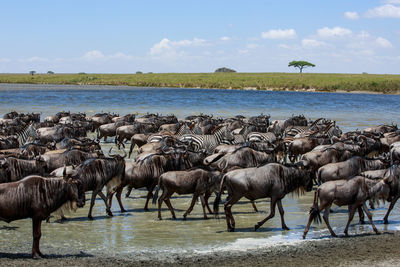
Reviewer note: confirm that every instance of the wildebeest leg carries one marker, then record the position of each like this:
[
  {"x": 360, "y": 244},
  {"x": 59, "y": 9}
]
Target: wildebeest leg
[
  {"x": 108, "y": 210},
  {"x": 128, "y": 192},
  {"x": 353, "y": 209},
  {"x": 165, "y": 197},
  {"x": 361, "y": 215},
  {"x": 385, "y": 219},
  {"x": 37, "y": 233},
  {"x": 230, "y": 221},
  {"x": 271, "y": 214},
  {"x": 149, "y": 196},
  {"x": 282, "y": 212},
  {"x": 169, "y": 205},
  {"x": 254, "y": 205},
  {"x": 326, "y": 218},
  {"x": 92, "y": 200},
  {"x": 369, "y": 215},
  {"x": 206, "y": 197},
  {"x": 203, "y": 204},
  {"x": 189, "y": 210},
  {"x": 118, "y": 196}
]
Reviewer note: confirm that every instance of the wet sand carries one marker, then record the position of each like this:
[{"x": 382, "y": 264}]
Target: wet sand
[{"x": 356, "y": 250}]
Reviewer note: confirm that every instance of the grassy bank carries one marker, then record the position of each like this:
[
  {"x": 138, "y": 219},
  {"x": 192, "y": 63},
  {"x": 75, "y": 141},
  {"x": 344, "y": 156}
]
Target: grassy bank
[{"x": 259, "y": 81}]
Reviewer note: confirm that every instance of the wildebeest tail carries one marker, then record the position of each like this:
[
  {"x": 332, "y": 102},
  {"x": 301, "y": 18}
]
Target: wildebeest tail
[
  {"x": 314, "y": 211},
  {"x": 155, "y": 196},
  {"x": 130, "y": 149},
  {"x": 218, "y": 198}
]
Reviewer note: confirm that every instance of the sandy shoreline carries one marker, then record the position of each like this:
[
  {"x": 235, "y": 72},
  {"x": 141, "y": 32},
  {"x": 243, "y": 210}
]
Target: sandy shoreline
[{"x": 356, "y": 250}]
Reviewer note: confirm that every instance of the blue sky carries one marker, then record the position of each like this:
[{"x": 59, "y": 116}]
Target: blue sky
[{"x": 342, "y": 36}]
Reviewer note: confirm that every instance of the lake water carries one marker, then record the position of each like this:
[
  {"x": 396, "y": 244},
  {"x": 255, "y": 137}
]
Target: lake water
[
  {"x": 351, "y": 111},
  {"x": 141, "y": 232}
]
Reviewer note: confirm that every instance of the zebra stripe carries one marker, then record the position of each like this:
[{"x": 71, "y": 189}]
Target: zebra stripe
[
  {"x": 28, "y": 132},
  {"x": 261, "y": 137},
  {"x": 208, "y": 141},
  {"x": 184, "y": 129}
]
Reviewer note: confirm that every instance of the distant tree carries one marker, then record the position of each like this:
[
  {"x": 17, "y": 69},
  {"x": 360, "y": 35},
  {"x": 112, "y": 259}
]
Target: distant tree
[
  {"x": 82, "y": 73},
  {"x": 150, "y": 72},
  {"x": 32, "y": 72},
  {"x": 139, "y": 72},
  {"x": 224, "y": 70},
  {"x": 50, "y": 72},
  {"x": 300, "y": 65}
]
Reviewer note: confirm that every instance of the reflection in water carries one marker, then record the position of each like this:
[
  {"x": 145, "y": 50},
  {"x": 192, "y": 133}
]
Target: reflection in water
[{"x": 136, "y": 230}]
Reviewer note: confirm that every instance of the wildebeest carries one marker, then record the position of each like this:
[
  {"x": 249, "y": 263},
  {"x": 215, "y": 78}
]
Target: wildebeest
[
  {"x": 97, "y": 173},
  {"x": 198, "y": 182},
  {"x": 37, "y": 197},
  {"x": 392, "y": 178},
  {"x": 348, "y": 168},
  {"x": 145, "y": 173},
  {"x": 69, "y": 157},
  {"x": 271, "y": 180},
  {"x": 243, "y": 157},
  {"x": 20, "y": 168},
  {"x": 354, "y": 192}
]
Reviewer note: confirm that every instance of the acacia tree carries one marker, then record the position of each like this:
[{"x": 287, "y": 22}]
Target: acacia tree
[{"x": 300, "y": 65}]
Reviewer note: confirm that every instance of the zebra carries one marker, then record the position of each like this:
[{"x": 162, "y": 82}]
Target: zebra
[
  {"x": 207, "y": 141},
  {"x": 29, "y": 132},
  {"x": 157, "y": 137},
  {"x": 261, "y": 137}
]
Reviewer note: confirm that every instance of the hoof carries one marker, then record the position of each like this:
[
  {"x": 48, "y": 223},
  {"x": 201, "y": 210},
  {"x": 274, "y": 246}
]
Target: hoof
[
  {"x": 304, "y": 236},
  {"x": 90, "y": 217},
  {"x": 256, "y": 227},
  {"x": 110, "y": 214},
  {"x": 286, "y": 228},
  {"x": 184, "y": 217},
  {"x": 377, "y": 232},
  {"x": 231, "y": 230},
  {"x": 385, "y": 221},
  {"x": 123, "y": 210},
  {"x": 362, "y": 222}
]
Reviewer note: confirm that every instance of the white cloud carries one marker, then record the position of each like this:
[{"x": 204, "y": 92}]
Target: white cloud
[
  {"x": 252, "y": 46},
  {"x": 333, "y": 32},
  {"x": 225, "y": 38},
  {"x": 363, "y": 35},
  {"x": 385, "y": 11},
  {"x": 312, "y": 43},
  {"x": 4, "y": 60},
  {"x": 169, "y": 47},
  {"x": 93, "y": 55},
  {"x": 351, "y": 15},
  {"x": 384, "y": 43},
  {"x": 98, "y": 55},
  {"x": 395, "y": 2},
  {"x": 279, "y": 34}
]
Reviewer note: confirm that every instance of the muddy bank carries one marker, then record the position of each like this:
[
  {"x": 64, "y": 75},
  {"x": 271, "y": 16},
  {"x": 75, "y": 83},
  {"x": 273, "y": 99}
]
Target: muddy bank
[{"x": 366, "y": 249}]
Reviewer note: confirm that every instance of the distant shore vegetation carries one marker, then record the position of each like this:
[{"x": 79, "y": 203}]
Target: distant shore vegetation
[{"x": 389, "y": 84}]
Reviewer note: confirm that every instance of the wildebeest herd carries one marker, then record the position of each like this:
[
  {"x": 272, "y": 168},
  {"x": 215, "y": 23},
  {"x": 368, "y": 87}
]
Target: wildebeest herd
[{"x": 47, "y": 166}]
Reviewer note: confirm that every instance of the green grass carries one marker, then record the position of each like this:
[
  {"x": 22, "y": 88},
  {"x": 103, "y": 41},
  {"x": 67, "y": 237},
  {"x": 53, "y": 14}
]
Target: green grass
[{"x": 259, "y": 81}]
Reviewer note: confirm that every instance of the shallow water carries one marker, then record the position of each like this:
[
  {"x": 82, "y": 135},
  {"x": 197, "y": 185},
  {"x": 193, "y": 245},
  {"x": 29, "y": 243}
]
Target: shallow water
[{"x": 138, "y": 231}]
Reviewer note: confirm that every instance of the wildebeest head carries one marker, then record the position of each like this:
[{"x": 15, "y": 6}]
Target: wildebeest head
[
  {"x": 307, "y": 175},
  {"x": 77, "y": 191}
]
